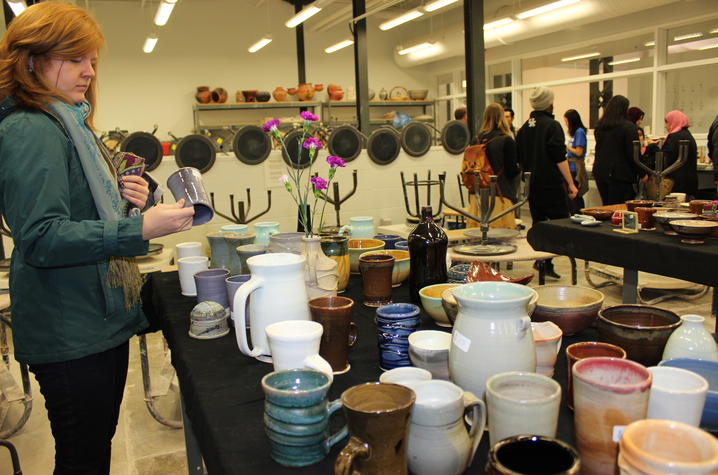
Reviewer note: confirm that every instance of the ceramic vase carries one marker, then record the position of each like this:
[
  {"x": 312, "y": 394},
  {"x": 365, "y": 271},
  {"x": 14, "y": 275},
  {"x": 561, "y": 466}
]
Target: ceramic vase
[
  {"x": 279, "y": 94},
  {"x": 337, "y": 248},
  {"x": 219, "y": 250},
  {"x": 320, "y": 273},
  {"x": 691, "y": 340},
  {"x": 427, "y": 252},
  {"x": 203, "y": 95},
  {"x": 233, "y": 241}
]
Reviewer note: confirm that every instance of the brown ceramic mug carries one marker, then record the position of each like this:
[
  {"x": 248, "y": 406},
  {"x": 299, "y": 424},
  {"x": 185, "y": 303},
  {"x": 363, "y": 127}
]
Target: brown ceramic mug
[
  {"x": 378, "y": 417},
  {"x": 645, "y": 217},
  {"x": 587, "y": 349},
  {"x": 376, "y": 271},
  {"x": 698, "y": 206},
  {"x": 340, "y": 333}
]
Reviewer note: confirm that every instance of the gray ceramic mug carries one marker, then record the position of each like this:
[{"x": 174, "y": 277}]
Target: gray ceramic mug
[{"x": 187, "y": 183}]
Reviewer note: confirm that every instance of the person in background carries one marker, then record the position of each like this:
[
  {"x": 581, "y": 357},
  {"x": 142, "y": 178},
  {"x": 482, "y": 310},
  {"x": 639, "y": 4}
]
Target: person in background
[
  {"x": 460, "y": 115},
  {"x": 541, "y": 150},
  {"x": 74, "y": 284},
  {"x": 713, "y": 147},
  {"x": 576, "y": 154},
  {"x": 636, "y": 115},
  {"x": 509, "y": 116},
  {"x": 685, "y": 179},
  {"x": 615, "y": 172}
]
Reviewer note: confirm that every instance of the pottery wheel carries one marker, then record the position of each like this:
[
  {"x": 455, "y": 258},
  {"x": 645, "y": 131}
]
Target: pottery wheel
[
  {"x": 496, "y": 234},
  {"x": 485, "y": 249}
]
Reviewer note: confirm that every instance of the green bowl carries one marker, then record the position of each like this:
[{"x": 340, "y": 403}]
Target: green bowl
[
  {"x": 431, "y": 301},
  {"x": 358, "y": 247}
]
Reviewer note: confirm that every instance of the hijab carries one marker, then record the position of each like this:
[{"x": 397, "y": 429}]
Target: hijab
[{"x": 676, "y": 121}]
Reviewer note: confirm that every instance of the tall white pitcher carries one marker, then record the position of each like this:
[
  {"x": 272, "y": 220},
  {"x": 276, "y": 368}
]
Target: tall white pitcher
[{"x": 278, "y": 293}]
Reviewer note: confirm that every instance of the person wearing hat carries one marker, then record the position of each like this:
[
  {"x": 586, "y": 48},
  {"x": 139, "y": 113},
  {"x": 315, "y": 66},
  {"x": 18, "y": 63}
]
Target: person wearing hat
[{"x": 541, "y": 148}]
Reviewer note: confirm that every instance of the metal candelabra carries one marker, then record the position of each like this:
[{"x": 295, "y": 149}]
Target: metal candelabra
[
  {"x": 416, "y": 183},
  {"x": 659, "y": 173},
  {"x": 239, "y": 215},
  {"x": 337, "y": 201}
]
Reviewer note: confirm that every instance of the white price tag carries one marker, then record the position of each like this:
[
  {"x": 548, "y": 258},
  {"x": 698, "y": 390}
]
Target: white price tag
[
  {"x": 618, "y": 433},
  {"x": 462, "y": 342}
]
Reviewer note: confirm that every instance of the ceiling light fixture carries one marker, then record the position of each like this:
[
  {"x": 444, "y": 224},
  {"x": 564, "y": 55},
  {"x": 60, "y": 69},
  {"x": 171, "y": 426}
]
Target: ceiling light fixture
[
  {"x": 581, "y": 56},
  {"x": 164, "y": 10},
  {"x": 713, "y": 31},
  {"x": 388, "y": 25},
  {"x": 549, "y": 7},
  {"x": 17, "y": 6},
  {"x": 415, "y": 48},
  {"x": 260, "y": 44},
  {"x": 150, "y": 44},
  {"x": 302, "y": 16},
  {"x": 338, "y": 46},
  {"x": 624, "y": 61},
  {"x": 708, "y": 47},
  {"x": 498, "y": 23},
  {"x": 688, "y": 36},
  {"x": 649, "y": 43},
  {"x": 438, "y": 4}
]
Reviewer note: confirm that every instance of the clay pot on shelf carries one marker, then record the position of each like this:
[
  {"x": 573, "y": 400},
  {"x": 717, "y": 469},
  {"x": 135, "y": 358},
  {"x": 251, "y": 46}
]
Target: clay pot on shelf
[
  {"x": 383, "y": 94},
  {"x": 305, "y": 92},
  {"x": 203, "y": 95},
  {"x": 336, "y": 94},
  {"x": 239, "y": 97},
  {"x": 292, "y": 91},
  {"x": 280, "y": 94},
  {"x": 319, "y": 87},
  {"x": 250, "y": 96},
  {"x": 263, "y": 96},
  {"x": 219, "y": 95}
]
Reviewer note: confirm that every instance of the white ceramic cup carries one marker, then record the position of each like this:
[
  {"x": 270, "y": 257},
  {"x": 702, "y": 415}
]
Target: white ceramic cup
[
  {"x": 187, "y": 268},
  {"x": 522, "y": 403},
  {"x": 677, "y": 394},
  {"x": 547, "y": 339},
  {"x": 188, "y": 249},
  {"x": 429, "y": 349},
  {"x": 406, "y": 376},
  {"x": 295, "y": 344}
]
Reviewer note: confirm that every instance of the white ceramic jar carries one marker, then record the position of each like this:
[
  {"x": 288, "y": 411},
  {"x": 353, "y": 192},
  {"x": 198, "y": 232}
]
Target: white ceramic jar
[{"x": 691, "y": 340}]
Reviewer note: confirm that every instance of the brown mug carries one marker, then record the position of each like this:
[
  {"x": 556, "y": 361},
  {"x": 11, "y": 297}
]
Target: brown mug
[
  {"x": 698, "y": 206},
  {"x": 340, "y": 333},
  {"x": 376, "y": 271},
  {"x": 587, "y": 349},
  {"x": 378, "y": 418},
  {"x": 645, "y": 217}
]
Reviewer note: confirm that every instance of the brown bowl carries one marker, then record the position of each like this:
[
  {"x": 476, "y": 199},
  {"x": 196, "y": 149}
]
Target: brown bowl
[
  {"x": 631, "y": 205},
  {"x": 639, "y": 329},
  {"x": 600, "y": 214},
  {"x": 572, "y": 308},
  {"x": 250, "y": 95}
]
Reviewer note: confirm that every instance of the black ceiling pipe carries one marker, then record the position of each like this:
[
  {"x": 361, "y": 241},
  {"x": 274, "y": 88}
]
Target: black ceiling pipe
[
  {"x": 361, "y": 70},
  {"x": 475, "y": 66}
]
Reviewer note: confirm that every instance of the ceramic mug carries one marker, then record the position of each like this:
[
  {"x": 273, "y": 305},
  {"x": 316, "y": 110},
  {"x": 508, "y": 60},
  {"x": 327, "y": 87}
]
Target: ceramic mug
[
  {"x": 286, "y": 242},
  {"x": 234, "y": 241},
  {"x": 405, "y": 375},
  {"x": 378, "y": 418},
  {"x": 246, "y": 251},
  {"x": 235, "y": 228},
  {"x": 361, "y": 227},
  {"x": 188, "y": 249},
  {"x": 340, "y": 333},
  {"x": 187, "y": 266},
  {"x": 532, "y": 454},
  {"x": 187, "y": 183},
  {"x": 522, "y": 403},
  {"x": 211, "y": 286},
  {"x": 376, "y": 271},
  {"x": 429, "y": 349},
  {"x": 587, "y": 349},
  {"x": 233, "y": 283},
  {"x": 263, "y": 230},
  {"x": 677, "y": 394},
  {"x": 547, "y": 338},
  {"x": 295, "y": 344},
  {"x": 394, "y": 323}
]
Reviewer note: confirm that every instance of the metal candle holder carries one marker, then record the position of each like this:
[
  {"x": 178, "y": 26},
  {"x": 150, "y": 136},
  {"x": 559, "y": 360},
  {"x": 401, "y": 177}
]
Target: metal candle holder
[
  {"x": 416, "y": 183},
  {"x": 240, "y": 216},
  {"x": 337, "y": 201},
  {"x": 659, "y": 172}
]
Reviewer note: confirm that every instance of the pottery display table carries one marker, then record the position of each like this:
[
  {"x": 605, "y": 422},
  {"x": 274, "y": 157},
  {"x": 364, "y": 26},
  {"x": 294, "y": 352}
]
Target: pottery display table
[
  {"x": 222, "y": 398},
  {"x": 154, "y": 263}
]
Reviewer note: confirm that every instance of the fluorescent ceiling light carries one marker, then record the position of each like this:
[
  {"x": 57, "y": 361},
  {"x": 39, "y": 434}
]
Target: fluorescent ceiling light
[
  {"x": 713, "y": 31},
  {"x": 624, "y": 61},
  {"x": 17, "y": 6},
  {"x": 388, "y": 25},
  {"x": 463, "y": 83},
  {"x": 649, "y": 43},
  {"x": 164, "y": 10},
  {"x": 260, "y": 44},
  {"x": 708, "y": 47},
  {"x": 338, "y": 46},
  {"x": 415, "y": 48},
  {"x": 438, "y": 4},
  {"x": 688, "y": 36},
  {"x": 549, "y": 7},
  {"x": 302, "y": 16},
  {"x": 581, "y": 56},
  {"x": 498, "y": 23},
  {"x": 150, "y": 44}
]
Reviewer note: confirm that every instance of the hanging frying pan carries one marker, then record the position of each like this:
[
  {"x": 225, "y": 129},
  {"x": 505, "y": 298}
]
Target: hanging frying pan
[
  {"x": 196, "y": 151},
  {"x": 145, "y": 145},
  {"x": 291, "y": 140},
  {"x": 345, "y": 142},
  {"x": 251, "y": 145},
  {"x": 383, "y": 145},
  {"x": 416, "y": 138},
  {"x": 455, "y": 137}
]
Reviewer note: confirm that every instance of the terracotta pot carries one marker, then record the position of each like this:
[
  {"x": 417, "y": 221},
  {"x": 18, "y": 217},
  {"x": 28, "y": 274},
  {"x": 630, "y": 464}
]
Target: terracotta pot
[
  {"x": 292, "y": 91},
  {"x": 333, "y": 87},
  {"x": 319, "y": 87},
  {"x": 239, "y": 97},
  {"x": 305, "y": 92},
  {"x": 203, "y": 95},
  {"x": 336, "y": 95},
  {"x": 279, "y": 94},
  {"x": 219, "y": 95}
]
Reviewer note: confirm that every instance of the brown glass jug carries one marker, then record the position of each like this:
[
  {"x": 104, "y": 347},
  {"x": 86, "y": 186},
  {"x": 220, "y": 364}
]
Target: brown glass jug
[{"x": 427, "y": 251}]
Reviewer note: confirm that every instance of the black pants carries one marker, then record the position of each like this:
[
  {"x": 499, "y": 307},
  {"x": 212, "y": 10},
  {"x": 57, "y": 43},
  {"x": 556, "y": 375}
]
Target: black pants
[
  {"x": 615, "y": 192},
  {"x": 83, "y": 398}
]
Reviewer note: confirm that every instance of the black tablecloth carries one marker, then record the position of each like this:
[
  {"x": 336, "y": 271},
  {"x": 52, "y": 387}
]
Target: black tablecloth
[
  {"x": 223, "y": 395},
  {"x": 648, "y": 251}
]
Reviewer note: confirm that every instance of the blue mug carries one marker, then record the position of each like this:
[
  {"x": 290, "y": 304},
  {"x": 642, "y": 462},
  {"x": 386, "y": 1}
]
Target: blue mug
[
  {"x": 403, "y": 245},
  {"x": 394, "y": 323}
]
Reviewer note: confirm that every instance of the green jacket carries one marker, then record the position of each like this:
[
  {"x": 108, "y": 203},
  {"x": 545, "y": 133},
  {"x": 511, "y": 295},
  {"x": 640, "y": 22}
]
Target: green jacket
[{"x": 61, "y": 307}]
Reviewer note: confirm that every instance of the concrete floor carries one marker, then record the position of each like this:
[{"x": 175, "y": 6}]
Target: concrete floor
[{"x": 142, "y": 446}]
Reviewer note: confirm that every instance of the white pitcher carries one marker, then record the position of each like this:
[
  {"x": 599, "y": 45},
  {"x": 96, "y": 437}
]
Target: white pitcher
[
  {"x": 492, "y": 334},
  {"x": 438, "y": 440},
  {"x": 278, "y": 293}
]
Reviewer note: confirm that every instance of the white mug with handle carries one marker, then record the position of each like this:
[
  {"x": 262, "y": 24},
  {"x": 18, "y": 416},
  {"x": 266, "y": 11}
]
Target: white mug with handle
[{"x": 295, "y": 344}]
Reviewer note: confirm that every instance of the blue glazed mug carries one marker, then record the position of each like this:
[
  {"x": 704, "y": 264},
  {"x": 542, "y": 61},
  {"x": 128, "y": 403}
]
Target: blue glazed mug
[
  {"x": 394, "y": 323},
  {"x": 361, "y": 227},
  {"x": 296, "y": 416},
  {"x": 390, "y": 240}
]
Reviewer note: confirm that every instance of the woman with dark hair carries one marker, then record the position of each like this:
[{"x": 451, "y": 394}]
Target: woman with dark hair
[
  {"x": 636, "y": 115},
  {"x": 685, "y": 179},
  {"x": 576, "y": 154},
  {"x": 615, "y": 171}
]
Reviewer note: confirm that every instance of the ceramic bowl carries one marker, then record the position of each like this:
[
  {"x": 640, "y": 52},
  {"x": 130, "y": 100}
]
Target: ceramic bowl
[
  {"x": 357, "y": 247},
  {"x": 429, "y": 349},
  {"x": 693, "y": 231},
  {"x": 418, "y": 94},
  {"x": 431, "y": 301},
  {"x": 663, "y": 218},
  {"x": 571, "y": 307},
  {"x": 600, "y": 214},
  {"x": 631, "y": 205},
  {"x": 401, "y": 264},
  {"x": 451, "y": 306},
  {"x": 709, "y": 370},
  {"x": 482, "y": 272},
  {"x": 457, "y": 274},
  {"x": 405, "y": 375},
  {"x": 639, "y": 329},
  {"x": 403, "y": 245}
]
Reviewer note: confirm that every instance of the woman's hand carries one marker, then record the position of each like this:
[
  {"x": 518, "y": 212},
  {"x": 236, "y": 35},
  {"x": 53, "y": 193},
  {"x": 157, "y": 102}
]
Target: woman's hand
[
  {"x": 164, "y": 219},
  {"x": 572, "y": 190},
  {"x": 135, "y": 190}
]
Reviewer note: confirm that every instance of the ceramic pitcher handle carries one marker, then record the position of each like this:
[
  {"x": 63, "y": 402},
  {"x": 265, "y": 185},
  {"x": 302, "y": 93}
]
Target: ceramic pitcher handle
[
  {"x": 238, "y": 315},
  {"x": 355, "y": 448},
  {"x": 353, "y": 334},
  {"x": 344, "y": 229},
  {"x": 524, "y": 326},
  {"x": 478, "y": 422},
  {"x": 334, "y": 406},
  {"x": 318, "y": 363}
]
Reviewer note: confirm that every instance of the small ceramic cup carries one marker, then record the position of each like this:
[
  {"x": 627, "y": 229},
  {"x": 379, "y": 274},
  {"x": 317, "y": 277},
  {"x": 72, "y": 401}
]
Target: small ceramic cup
[
  {"x": 429, "y": 349},
  {"x": 187, "y": 267},
  {"x": 263, "y": 230},
  {"x": 188, "y": 249},
  {"x": 406, "y": 376},
  {"x": 361, "y": 227},
  {"x": 547, "y": 338},
  {"x": 186, "y": 183},
  {"x": 295, "y": 344},
  {"x": 340, "y": 333},
  {"x": 677, "y": 394},
  {"x": 245, "y": 252},
  {"x": 532, "y": 454},
  {"x": 376, "y": 271},
  {"x": 394, "y": 323},
  {"x": 233, "y": 283},
  {"x": 235, "y": 228},
  {"x": 587, "y": 349},
  {"x": 211, "y": 286}
]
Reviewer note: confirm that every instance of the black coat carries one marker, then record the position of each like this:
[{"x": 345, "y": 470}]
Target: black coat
[
  {"x": 686, "y": 177},
  {"x": 541, "y": 144},
  {"x": 501, "y": 152},
  {"x": 614, "y": 153}
]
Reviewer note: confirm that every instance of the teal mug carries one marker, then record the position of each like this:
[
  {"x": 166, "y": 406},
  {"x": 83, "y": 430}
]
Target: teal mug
[
  {"x": 264, "y": 230},
  {"x": 361, "y": 227}
]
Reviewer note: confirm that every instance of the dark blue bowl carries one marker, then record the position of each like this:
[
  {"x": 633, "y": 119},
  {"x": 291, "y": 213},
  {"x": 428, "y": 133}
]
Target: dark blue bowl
[
  {"x": 709, "y": 370},
  {"x": 403, "y": 245}
]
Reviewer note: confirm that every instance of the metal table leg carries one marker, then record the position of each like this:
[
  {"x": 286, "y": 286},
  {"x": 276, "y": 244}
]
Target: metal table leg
[
  {"x": 714, "y": 308},
  {"x": 630, "y": 285},
  {"x": 195, "y": 464}
]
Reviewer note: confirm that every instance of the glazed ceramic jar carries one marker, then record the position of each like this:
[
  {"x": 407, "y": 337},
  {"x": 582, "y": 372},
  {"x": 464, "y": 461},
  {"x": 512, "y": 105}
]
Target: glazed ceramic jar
[
  {"x": 320, "y": 273},
  {"x": 691, "y": 340}
]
